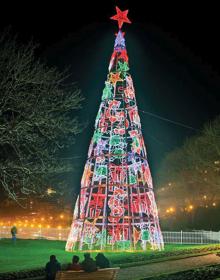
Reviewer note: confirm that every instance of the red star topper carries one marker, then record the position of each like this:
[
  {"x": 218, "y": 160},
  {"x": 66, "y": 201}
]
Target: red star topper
[{"x": 121, "y": 17}]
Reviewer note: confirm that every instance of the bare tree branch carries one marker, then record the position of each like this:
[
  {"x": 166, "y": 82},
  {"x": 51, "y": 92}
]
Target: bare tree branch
[{"x": 37, "y": 119}]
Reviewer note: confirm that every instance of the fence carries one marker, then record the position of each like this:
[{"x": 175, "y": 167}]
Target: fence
[
  {"x": 191, "y": 237},
  {"x": 170, "y": 237}
]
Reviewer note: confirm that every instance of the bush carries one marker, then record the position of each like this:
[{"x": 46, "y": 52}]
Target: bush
[{"x": 22, "y": 274}]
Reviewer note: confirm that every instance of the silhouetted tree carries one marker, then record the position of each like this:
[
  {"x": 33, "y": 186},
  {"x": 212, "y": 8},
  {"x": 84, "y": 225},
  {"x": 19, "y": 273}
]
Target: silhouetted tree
[
  {"x": 37, "y": 119},
  {"x": 191, "y": 173}
]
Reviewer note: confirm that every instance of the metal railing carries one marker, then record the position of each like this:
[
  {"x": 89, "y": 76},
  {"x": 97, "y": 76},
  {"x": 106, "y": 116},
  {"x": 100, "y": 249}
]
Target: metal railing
[
  {"x": 170, "y": 237},
  {"x": 191, "y": 237}
]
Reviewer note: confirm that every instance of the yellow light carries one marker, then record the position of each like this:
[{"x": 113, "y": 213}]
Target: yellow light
[
  {"x": 61, "y": 216},
  {"x": 204, "y": 196},
  {"x": 51, "y": 218},
  {"x": 50, "y": 191},
  {"x": 42, "y": 219},
  {"x": 26, "y": 221},
  {"x": 25, "y": 225},
  {"x": 213, "y": 204},
  {"x": 32, "y": 225},
  {"x": 59, "y": 227},
  {"x": 48, "y": 226},
  {"x": 39, "y": 225},
  {"x": 170, "y": 210},
  {"x": 190, "y": 207}
]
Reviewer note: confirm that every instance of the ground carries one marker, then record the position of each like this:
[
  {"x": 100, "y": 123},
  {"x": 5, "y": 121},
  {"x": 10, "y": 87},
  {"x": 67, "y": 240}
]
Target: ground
[
  {"x": 154, "y": 269},
  {"x": 28, "y": 254}
]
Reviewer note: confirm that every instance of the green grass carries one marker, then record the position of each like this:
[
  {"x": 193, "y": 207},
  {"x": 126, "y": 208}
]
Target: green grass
[{"x": 28, "y": 254}]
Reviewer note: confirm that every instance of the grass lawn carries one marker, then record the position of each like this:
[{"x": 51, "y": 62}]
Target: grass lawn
[{"x": 28, "y": 254}]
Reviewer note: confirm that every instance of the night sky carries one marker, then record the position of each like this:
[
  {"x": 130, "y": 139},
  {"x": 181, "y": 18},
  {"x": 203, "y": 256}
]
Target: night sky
[{"x": 173, "y": 53}]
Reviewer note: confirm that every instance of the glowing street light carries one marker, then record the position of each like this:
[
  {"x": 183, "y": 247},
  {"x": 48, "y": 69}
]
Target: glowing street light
[
  {"x": 191, "y": 207},
  {"x": 170, "y": 210}
]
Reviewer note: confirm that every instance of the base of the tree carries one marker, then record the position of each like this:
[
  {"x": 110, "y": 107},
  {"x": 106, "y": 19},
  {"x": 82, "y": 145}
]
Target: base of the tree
[{"x": 117, "y": 247}]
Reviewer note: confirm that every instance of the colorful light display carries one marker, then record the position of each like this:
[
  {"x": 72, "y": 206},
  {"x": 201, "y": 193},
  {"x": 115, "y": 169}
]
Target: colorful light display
[{"x": 116, "y": 208}]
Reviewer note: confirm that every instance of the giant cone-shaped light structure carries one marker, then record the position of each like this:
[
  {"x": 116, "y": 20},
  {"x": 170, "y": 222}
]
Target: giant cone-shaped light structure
[{"x": 116, "y": 208}]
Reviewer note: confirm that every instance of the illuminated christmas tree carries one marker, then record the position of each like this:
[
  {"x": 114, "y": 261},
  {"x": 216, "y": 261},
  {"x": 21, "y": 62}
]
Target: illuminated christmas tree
[{"x": 116, "y": 208}]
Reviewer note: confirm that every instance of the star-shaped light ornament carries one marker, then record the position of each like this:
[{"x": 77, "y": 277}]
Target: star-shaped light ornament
[
  {"x": 121, "y": 17},
  {"x": 123, "y": 66},
  {"x": 115, "y": 77},
  {"x": 119, "y": 41}
]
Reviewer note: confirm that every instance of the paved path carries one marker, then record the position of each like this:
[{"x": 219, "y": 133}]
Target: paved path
[{"x": 153, "y": 269}]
